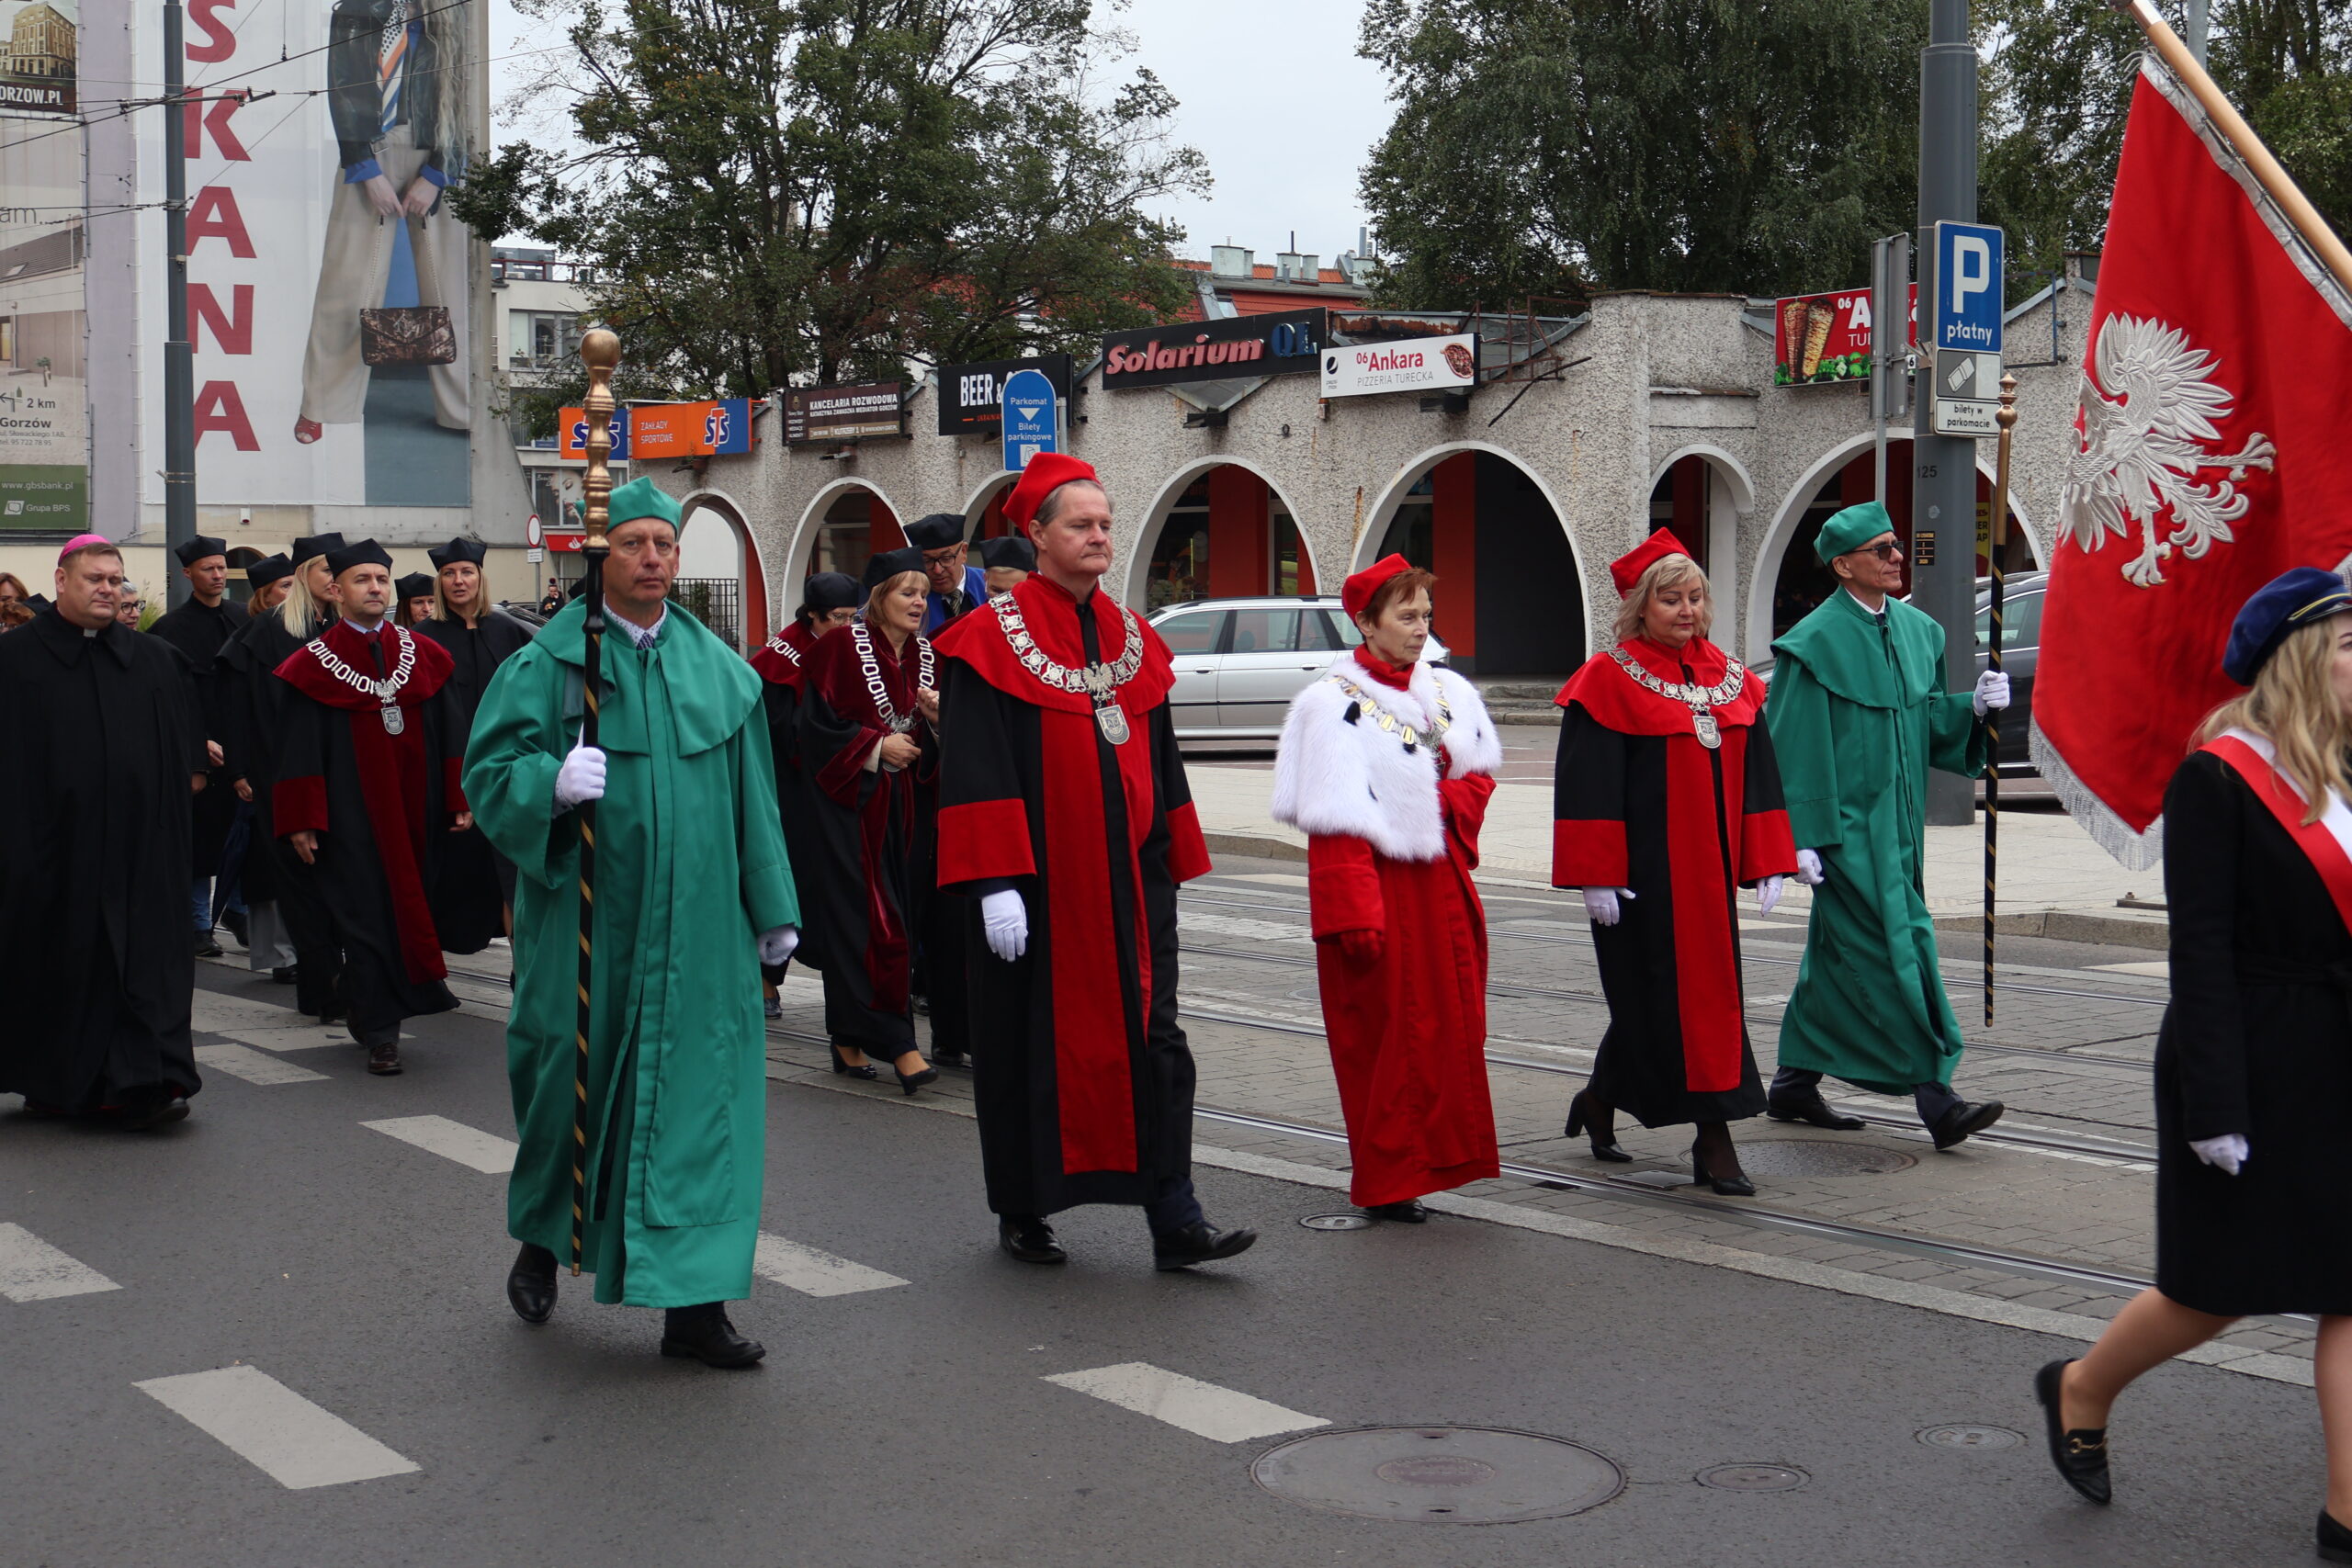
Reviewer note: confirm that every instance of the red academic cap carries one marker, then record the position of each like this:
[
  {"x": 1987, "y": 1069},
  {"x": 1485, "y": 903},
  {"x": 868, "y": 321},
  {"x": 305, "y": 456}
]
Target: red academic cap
[
  {"x": 1627, "y": 569},
  {"x": 1357, "y": 591},
  {"x": 1046, "y": 473}
]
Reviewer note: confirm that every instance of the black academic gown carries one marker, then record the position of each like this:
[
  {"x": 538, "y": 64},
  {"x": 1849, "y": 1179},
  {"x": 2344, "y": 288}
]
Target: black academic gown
[
  {"x": 103, "y": 738},
  {"x": 944, "y": 921},
  {"x": 781, "y": 663},
  {"x": 382, "y": 806},
  {"x": 254, "y": 704},
  {"x": 201, "y": 631},
  {"x": 475, "y": 883}
]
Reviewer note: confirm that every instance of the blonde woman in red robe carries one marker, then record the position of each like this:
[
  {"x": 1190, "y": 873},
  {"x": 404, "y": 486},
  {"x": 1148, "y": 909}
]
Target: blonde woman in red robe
[{"x": 1387, "y": 764}]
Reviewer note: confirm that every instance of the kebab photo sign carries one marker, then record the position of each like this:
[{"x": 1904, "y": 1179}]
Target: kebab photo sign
[{"x": 1824, "y": 339}]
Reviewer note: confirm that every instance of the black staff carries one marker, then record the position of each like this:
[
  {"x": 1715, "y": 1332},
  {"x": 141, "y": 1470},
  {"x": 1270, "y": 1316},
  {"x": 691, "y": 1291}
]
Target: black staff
[
  {"x": 601, "y": 351},
  {"x": 2007, "y": 419}
]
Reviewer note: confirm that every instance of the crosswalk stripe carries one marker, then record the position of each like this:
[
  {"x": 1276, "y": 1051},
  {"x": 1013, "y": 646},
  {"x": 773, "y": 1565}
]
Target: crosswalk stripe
[
  {"x": 253, "y": 1066},
  {"x": 815, "y": 1273},
  {"x": 293, "y": 1441},
  {"x": 1202, "y": 1408},
  {"x": 291, "y": 1037},
  {"x": 451, "y": 1140},
  {"x": 32, "y": 1271},
  {"x": 216, "y": 1014}
]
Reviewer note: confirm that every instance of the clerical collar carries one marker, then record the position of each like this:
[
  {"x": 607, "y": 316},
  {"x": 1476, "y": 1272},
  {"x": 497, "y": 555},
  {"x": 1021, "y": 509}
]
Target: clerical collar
[
  {"x": 1877, "y": 615},
  {"x": 643, "y": 635}
]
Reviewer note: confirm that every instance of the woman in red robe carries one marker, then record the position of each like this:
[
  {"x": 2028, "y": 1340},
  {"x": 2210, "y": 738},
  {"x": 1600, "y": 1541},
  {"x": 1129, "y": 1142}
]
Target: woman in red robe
[
  {"x": 1667, "y": 801},
  {"x": 1387, "y": 764}
]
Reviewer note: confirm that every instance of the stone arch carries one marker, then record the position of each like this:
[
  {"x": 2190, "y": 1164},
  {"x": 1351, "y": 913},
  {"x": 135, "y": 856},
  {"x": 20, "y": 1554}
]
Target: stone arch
[
  {"x": 986, "y": 501},
  {"x": 812, "y": 516},
  {"x": 752, "y": 571},
  {"x": 1135, "y": 573}
]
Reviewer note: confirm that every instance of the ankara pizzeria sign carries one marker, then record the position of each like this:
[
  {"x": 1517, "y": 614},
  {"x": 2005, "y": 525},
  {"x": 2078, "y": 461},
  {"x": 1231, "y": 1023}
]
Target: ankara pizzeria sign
[{"x": 1288, "y": 343}]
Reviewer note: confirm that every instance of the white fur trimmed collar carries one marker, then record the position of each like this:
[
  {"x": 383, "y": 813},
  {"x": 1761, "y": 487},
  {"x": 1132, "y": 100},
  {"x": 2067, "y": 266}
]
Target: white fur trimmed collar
[{"x": 1339, "y": 773}]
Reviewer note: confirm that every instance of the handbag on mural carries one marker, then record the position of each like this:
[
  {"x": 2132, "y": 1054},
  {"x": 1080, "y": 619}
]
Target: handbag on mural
[{"x": 410, "y": 334}]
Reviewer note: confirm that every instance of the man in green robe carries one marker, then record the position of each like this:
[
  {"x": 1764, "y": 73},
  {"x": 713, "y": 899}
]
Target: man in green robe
[
  {"x": 692, "y": 893},
  {"x": 1857, "y": 715}
]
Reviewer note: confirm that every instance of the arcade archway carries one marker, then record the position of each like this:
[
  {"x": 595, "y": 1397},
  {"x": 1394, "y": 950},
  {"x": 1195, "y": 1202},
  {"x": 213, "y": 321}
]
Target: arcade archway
[
  {"x": 720, "y": 577},
  {"x": 847, "y": 522},
  {"x": 1220, "y": 530},
  {"x": 1703, "y": 495}
]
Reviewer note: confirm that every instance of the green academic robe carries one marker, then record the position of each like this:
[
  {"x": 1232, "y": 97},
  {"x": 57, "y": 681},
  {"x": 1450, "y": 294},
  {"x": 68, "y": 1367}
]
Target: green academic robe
[
  {"x": 1857, "y": 715},
  {"x": 690, "y": 867}
]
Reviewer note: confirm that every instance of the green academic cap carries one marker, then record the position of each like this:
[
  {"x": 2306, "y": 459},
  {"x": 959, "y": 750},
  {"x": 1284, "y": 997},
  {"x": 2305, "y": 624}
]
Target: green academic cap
[
  {"x": 1847, "y": 530},
  {"x": 642, "y": 498}
]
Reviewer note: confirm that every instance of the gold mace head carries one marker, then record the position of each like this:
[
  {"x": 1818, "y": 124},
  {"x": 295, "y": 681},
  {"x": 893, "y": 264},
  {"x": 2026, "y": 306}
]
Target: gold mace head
[
  {"x": 600, "y": 350},
  {"x": 2007, "y": 415}
]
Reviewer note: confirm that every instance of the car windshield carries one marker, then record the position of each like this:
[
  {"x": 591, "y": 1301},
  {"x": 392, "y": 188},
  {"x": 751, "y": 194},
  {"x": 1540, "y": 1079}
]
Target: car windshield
[{"x": 2020, "y": 622}]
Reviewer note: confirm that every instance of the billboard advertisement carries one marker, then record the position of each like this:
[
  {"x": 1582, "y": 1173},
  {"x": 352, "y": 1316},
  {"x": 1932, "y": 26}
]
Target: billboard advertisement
[
  {"x": 328, "y": 287},
  {"x": 719, "y": 428},
  {"x": 1414, "y": 365},
  {"x": 1824, "y": 339},
  {"x": 44, "y": 428},
  {"x": 1288, "y": 342},
  {"x": 844, "y": 413}
]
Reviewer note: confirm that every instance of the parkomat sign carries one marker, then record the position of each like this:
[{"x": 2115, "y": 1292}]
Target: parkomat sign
[
  {"x": 1415, "y": 365},
  {"x": 1287, "y": 343},
  {"x": 690, "y": 430},
  {"x": 1826, "y": 338}
]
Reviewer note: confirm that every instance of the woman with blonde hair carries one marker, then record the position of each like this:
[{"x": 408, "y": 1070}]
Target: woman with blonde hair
[
  {"x": 2253, "y": 1061},
  {"x": 869, "y": 749},
  {"x": 473, "y": 889},
  {"x": 1667, "y": 801}
]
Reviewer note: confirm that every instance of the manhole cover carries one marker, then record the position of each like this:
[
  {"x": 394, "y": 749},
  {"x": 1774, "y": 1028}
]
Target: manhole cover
[
  {"x": 1966, "y": 1437},
  {"x": 1336, "y": 1221},
  {"x": 1819, "y": 1156},
  {"x": 1753, "y": 1477},
  {"x": 1439, "y": 1475}
]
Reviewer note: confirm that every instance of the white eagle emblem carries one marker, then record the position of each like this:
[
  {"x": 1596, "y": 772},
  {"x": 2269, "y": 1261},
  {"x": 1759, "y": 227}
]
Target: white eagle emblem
[{"x": 2149, "y": 413}]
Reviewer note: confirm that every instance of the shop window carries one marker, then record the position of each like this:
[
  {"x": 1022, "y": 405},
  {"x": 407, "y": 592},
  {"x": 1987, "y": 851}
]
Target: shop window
[
  {"x": 1287, "y": 548},
  {"x": 1179, "y": 572},
  {"x": 846, "y": 539}
]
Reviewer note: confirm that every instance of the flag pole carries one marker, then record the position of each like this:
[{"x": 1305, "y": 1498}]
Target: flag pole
[
  {"x": 600, "y": 350},
  {"x": 1996, "y": 539},
  {"x": 2276, "y": 182}
]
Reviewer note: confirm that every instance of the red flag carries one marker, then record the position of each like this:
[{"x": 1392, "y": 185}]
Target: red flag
[{"x": 2210, "y": 459}]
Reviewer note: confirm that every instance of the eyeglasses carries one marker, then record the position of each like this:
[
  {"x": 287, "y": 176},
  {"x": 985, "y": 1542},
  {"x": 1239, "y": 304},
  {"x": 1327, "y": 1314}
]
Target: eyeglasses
[{"x": 1888, "y": 551}]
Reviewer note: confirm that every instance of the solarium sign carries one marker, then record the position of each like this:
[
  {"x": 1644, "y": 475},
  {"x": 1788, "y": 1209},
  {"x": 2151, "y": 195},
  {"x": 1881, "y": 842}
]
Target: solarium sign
[{"x": 1289, "y": 344}]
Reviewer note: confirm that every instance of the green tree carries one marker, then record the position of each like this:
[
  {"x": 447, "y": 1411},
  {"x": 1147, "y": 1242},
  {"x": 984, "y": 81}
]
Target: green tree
[
  {"x": 783, "y": 192},
  {"x": 1552, "y": 147}
]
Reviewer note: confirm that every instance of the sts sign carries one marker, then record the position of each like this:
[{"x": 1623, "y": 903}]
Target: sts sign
[
  {"x": 1969, "y": 290},
  {"x": 1031, "y": 418}
]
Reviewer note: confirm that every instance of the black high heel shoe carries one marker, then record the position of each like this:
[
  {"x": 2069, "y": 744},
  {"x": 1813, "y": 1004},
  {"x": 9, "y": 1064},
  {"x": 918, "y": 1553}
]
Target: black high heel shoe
[
  {"x": 1725, "y": 1186},
  {"x": 909, "y": 1082},
  {"x": 865, "y": 1070},
  {"x": 1604, "y": 1140}
]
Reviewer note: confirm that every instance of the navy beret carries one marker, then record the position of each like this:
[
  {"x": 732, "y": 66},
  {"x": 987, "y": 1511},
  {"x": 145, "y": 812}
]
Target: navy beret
[
  {"x": 1018, "y": 554},
  {"x": 2285, "y": 603},
  {"x": 828, "y": 591},
  {"x": 882, "y": 567}
]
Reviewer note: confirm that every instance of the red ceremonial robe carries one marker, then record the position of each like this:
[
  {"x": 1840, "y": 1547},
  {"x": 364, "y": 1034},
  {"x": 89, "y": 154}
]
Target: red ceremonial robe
[
  {"x": 783, "y": 665},
  {"x": 858, "y": 897},
  {"x": 380, "y": 803},
  {"x": 1392, "y": 838},
  {"x": 1082, "y": 1080},
  {"x": 1640, "y": 803}
]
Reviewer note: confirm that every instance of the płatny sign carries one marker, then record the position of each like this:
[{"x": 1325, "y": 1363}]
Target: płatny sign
[
  {"x": 814, "y": 415},
  {"x": 971, "y": 397},
  {"x": 1287, "y": 343},
  {"x": 1824, "y": 339},
  {"x": 1413, "y": 365},
  {"x": 1970, "y": 291}
]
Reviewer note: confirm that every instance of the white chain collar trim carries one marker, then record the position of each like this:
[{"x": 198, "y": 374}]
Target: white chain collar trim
[
  {"x": 891, "y": 718},
  {"x": 383, "y": 691}
]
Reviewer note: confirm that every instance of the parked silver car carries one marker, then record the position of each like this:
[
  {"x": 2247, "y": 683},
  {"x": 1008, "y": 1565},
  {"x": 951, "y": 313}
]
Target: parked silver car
[{"x": 1240, "y": 661}]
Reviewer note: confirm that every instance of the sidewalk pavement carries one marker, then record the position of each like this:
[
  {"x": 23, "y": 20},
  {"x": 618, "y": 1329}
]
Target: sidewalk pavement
[{"x": 2054, "y": 882}]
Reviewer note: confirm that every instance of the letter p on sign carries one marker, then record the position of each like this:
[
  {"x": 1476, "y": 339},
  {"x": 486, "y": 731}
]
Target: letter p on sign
[{"x": 1969, "y": 286}]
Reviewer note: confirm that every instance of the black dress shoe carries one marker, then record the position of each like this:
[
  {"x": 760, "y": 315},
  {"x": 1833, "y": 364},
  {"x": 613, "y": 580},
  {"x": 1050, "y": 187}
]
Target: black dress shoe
[
  {"x": 2081, "y": 1454},
  {"x": 205, "y": 946},
  {"x": 909, "y": 1082},
  {"x": 1028, "y": 1238},
  {"x": 1735, "y": 1185},
  {"x": 530, "y": 1284},
  {"x": 1963, "y": 1119},
  {"x": 1813, "y": 1112},
  {"x": 703, "y": 1334},
  {"x": 1582, "y": 1119},
  {"x": 2334, "y": 1544},
  {"x": 384, "y": 1061},
  {"x": 865, "y": 1070},
  {"x": 235, "y": 920},
  {"x": 285, "y": 976},
  {"x": 152, "y": 1115},
  {"x": 1409, "y": 1212},
  {"x": 1199, "y": 1242}
]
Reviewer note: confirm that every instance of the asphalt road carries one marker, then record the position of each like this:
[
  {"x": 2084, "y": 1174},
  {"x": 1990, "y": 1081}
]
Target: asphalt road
[{"x": 914, "y": 1423}]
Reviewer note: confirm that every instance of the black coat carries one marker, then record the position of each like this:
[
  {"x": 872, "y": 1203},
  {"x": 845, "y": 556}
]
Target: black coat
[
  {"x": 96, "y": 959},
  {"x": 472, "y": 886},
  {"x": 201, "y": 631},
  {"x": 2257, "y": 1042}
]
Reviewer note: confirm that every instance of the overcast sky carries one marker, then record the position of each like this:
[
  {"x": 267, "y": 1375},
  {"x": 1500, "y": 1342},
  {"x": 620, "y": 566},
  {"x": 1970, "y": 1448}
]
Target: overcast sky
[{"x": 1273, "y": 95}]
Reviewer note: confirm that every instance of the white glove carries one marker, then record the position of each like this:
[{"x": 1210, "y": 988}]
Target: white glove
[
  {"x": 1992, "y": 691},
  {"x": 776, "y": 946},
  {"x": 581, "y": 777},
  {"x": 2225, "y": 1153},
  {"x": 1005, "y": 919},
  {"x": 1809, "y": 870},
  {"x": 1601, "y": 904},
  {"x": 1767, "y": 893}
]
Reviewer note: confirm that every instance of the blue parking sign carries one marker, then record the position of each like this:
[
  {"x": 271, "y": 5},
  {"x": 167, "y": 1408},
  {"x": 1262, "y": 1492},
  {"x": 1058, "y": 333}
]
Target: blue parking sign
[
  {"x": 1031, "y": 418},
  {"x": 1969, "y": 287}
]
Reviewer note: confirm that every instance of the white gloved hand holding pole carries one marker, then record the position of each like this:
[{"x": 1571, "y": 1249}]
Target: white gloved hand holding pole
[
  {"x": 581, "y": 778},
  {"x": 1004, "y": 920},
  {"x": 2224, "y": 1153},
  {"x": 1992, "y": 691},
  {"x": 1602, "y": 906},
  {"x": 776, "y": 946},
  {"x": 1809, "y": 870}
]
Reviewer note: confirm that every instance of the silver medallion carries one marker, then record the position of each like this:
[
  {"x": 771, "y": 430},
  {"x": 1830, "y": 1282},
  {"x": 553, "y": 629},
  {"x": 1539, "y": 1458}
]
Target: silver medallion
[
  {"x": 1704, "y": 723},
  {"x": 393, "y": 722},
  {"x": 1112, "y": 719}
]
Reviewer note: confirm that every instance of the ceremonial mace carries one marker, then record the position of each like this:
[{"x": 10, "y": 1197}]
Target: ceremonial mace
[
  {"x": 601, "y": 351},
  {"x": 1999, "y": 536}
]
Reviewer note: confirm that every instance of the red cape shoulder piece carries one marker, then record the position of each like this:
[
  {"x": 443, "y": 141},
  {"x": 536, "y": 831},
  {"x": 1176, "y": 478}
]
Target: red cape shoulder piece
[
  {"x": 1604, "y": 690},
  {"x": 781, "y": 661},
  {"x": 302, "y": 671},
  {"x": 981, "y": 641}
]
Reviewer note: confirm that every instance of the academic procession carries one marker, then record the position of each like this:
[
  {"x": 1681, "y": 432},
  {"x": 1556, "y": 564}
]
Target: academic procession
[{"x": 1080, "y": 1140}]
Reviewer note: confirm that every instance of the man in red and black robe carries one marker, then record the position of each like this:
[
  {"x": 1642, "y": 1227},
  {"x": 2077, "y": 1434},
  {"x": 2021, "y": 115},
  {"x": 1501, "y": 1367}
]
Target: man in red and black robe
[
  {"x": 366, "y": 789},
  {"x": 1064, "y": 812}
]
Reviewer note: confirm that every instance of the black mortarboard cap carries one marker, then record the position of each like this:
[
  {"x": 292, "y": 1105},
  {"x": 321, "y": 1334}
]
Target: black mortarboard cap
[
  {"x": 882, "y": 567},
  {"x": 316, "y": 545},
  {"x": 367, "y": 552},
  {"x": 828, "y": 591},
  {"x": 935, "y": 532},
  {"x": 415, "y": 585},
  {"x": 268, "y": 570},
  {"x": 472, "y": 550},
  {"x": 1019, "y": 554},
  {"x": 196, "y": 549}
]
